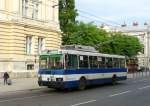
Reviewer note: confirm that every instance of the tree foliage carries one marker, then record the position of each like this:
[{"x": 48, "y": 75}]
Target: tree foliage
[
  {"x": 67, "y": 17},
  {"x": 88, "y": 34},
  {"x": 123, "y": 44},
  {"x": 105, "y": 42}
]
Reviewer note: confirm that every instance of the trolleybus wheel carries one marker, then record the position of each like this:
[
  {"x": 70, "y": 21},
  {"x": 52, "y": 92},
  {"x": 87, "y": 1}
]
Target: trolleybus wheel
[{"x": 82, "y": 83}]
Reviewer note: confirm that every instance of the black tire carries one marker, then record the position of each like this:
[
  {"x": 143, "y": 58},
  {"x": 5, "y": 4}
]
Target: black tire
[
  {"x": 114, "y": 80},
  {"x": 82, "y": 84}
]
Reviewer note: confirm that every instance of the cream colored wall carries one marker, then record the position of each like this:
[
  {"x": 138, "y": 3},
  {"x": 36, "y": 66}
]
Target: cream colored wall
[
  {"x": 5, "y": 53},
  {"x": 17, "y": 32},
  {"x": 5, "y": 38},
  {"x": 13, "y": 32},
  {"x": 2, "y": 4},
  {"x": 56, "y": 11},
  {"x": 2, "y": 8},
  {"x": 48, "y": 11}
]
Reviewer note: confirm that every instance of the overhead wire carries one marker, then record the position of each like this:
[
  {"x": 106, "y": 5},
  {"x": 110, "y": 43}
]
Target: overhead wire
[
  {"x": 104, "y": 20},
  {"x": 93, "y": 20}
]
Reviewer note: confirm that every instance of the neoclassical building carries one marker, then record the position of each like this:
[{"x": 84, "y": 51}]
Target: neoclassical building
[{"x": 27, "y": 27}]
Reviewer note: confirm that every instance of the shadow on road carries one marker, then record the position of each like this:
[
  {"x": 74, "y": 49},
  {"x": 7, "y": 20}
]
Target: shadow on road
[{"x": 89, "y": 88}]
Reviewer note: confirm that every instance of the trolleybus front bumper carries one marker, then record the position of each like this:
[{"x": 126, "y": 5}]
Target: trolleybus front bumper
[{"x": 51, "y": 84}]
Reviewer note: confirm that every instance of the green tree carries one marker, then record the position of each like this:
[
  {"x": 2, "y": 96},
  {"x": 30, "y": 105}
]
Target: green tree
[
  {"x": 122, "y": 44},
  {"x": 104, "y": 42},
  {"x": 87, "y": 34},
  {"x": 67, "y": 17}
]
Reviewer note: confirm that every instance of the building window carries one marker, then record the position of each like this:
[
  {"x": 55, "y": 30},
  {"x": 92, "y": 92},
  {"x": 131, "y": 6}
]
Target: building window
[
  {"x": 41, "y": 45},
  {"x": 142, "y": 51},
  {"x": 35, "y": 10},
  {"x": 24, "y": 7},
  {"x": 29, "y": 44},
  {"x": 30, "y": 66}
]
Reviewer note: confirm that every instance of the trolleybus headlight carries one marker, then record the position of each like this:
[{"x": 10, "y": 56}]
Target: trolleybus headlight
[{"x": 59, "y": 79}]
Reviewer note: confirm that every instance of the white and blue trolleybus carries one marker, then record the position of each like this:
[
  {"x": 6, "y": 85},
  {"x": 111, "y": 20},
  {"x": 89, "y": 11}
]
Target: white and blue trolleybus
[{"x": 77, "y": 66}]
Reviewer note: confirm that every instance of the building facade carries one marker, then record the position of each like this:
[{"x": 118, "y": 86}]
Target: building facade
[
  {"x": 143, "y": 34},
  {"x": 27, "y": 27}
]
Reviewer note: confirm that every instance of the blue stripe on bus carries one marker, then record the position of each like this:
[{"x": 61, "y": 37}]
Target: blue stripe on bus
[
  {"x": 79, "y": 71},
  {"x": 73, "y": 84}
]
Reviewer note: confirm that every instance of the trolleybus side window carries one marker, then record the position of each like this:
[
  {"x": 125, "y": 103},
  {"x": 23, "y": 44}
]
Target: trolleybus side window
[
  {"x": 43, "y": 62},
  {"x": 93, "y": 61},
  {"x": 55, "y": 61},
  {"x": 101, "y": 62},
  {"x": 116, "y": 63},
  {"x": 71, "y": 61},
  {"x": 108, "y": 62},
  {"x": 83, "y": 61},
  {"x": 122, "y": 63}
]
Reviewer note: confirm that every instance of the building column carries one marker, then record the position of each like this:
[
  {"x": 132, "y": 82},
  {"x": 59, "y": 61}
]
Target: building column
[{"x": 148, "y": 48}]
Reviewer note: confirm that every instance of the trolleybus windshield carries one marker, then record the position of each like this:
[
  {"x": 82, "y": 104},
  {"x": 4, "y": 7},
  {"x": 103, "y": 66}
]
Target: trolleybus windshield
[{"x": 54, "y": 61}]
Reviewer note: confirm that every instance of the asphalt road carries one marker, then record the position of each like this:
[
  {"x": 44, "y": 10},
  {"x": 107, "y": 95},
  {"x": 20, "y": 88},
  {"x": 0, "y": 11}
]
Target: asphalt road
[{"x": 127, "y": 93}]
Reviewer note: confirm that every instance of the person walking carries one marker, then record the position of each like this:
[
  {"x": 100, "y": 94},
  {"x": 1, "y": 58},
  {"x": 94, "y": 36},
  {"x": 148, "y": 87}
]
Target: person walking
[{"x": 6, "y": 76}]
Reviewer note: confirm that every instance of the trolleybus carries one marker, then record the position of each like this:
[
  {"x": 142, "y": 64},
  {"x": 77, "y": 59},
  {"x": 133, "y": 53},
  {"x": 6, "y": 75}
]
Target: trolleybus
[{"x": 77, "y": 66}]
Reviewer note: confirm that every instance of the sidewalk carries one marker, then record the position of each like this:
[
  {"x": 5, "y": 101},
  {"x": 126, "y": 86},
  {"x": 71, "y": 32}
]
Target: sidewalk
[
  {"x": 27, "y": 84},
  {"x": 19, "y": 85},
  {"x": 139, "y": 74}
]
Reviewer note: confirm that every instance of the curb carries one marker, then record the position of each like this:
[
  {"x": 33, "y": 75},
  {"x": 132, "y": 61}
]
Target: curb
[{"x": 24, "y": 90}]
